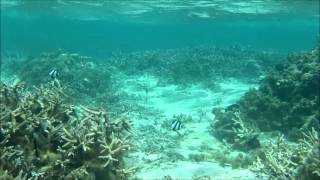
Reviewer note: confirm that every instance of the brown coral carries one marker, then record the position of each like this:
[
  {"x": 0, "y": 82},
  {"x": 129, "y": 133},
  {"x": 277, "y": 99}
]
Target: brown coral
[{"x": 43, "y": 136}]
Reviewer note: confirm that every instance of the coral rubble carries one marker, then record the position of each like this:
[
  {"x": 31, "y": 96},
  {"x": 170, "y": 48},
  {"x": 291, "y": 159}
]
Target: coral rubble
[{"x": 43, "y": 136}]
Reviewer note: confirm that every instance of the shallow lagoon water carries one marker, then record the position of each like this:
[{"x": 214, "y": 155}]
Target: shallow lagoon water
[
  {"x": 133, "y": 59},
  {"x": 99, "y": 30}
]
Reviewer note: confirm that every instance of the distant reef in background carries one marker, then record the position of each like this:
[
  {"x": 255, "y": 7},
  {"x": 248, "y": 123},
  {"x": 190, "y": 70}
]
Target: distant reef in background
[
  {"x": 204, "y": 65},
  {"x": 90, "y": 81}
]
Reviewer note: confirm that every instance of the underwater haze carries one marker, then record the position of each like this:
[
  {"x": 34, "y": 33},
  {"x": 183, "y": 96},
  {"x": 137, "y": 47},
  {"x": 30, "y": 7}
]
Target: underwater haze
[
  {"x": 159, "y": 89},
  {"x": 98, "y": 27}
]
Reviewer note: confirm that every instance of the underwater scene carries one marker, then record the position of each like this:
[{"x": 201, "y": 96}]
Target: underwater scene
[{"x": 160, "y": 89}]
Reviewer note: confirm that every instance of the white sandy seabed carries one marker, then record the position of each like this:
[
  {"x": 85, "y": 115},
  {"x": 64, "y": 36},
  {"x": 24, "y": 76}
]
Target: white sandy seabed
[{"x": 157, "y": 150}]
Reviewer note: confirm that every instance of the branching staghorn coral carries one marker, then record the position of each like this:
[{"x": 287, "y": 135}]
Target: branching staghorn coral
[
  {"x": 246, "y": 137},
  {"x": 283, "y": 160},
  {"x": 109, "y": 151},
  {"x": 276, "y": 161},
  {"x": 43, "y": 136},
  {"x": 231, "y": 128},
  {"x": 309, "y": 145},
  {"x": 75, "y": 141},
  {"x": 5, "y": 175}
]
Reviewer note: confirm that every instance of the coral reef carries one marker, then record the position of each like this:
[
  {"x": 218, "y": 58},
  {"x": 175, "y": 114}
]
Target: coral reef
[
  {"x": 286, "y": 102},
  {"x": 43, "y": 136},
  {"x": 288, "y": 98},
  {"x": 283, "y": 160},
  {"x": 80, "y": 74},
  {"x": 193, "y": 65}
]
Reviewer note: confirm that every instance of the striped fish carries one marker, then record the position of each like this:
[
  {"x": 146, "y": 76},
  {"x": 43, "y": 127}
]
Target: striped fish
[
  {"x": 176, "y": 125},
  {"x": 54, "y": 74}
]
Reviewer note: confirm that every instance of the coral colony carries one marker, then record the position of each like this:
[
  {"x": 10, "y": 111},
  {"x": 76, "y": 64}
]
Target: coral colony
[
  {"x": 43, "y": 136},
  {"x": 287, "y": 101}
]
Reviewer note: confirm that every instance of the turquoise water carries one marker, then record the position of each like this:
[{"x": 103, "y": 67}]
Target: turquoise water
[
  {"x": 97, "y": 31},
  {"x": 159, "y": 89}
]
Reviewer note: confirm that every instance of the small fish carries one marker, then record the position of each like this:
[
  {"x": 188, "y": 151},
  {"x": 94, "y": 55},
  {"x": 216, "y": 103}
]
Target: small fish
[
  {"x": 176, "y": 125},
  {"x": 54, "y": 74}
]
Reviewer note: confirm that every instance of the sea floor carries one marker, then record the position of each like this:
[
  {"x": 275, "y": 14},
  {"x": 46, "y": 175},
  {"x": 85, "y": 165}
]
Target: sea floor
[{"x": 158, "y": 151}]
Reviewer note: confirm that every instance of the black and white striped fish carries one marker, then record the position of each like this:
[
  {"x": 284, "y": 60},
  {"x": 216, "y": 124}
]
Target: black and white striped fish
[
  {"x": 54, "y": 74},
  {"x": 176, "y": 125}
]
